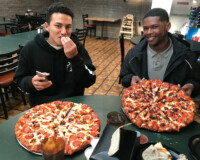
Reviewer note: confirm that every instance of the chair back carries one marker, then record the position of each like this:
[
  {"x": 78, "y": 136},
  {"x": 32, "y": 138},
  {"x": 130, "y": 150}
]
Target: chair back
[
  {"x": 43, "y": 15},
  {"x": 81, "y": 34},
  {"x": 121, "y": 41},
  {"x": 85, "y": 22},
  {"x": 9, "y": 62},
  {"x": 122, "y": 47},
  {"x": 36, "y": 21},
  {"x": 22, "y": 19}
]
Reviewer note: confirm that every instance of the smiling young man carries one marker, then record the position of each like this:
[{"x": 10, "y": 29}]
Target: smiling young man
[
  {"x": 59, "y": 55},
  {"x": 160, "y": 55}
]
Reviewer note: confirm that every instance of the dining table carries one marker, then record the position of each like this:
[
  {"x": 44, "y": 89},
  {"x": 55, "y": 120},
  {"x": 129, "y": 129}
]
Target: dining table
[
  {"x": 10, "y": 149},
  {"x": 6, "y": 22},
  {"x": 102, "y": 20},
  {"x": 30, "y": 35},
  {"x": 136, "y": 39},
  {"x": 11, "y": 42}
]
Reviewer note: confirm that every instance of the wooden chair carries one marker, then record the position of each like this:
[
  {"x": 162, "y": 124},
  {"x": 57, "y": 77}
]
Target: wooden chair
[
  {"x": 8, "y": 64},
  {"x": 88, "y": 26},
  {"x": 121, "y": 41},
  {"x": 81, "y": 34}
]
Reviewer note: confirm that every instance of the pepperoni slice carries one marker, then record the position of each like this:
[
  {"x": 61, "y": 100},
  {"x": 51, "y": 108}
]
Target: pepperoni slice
[
  {"x": 76, "y": 143},
  {"x": 80, "y": 135}
]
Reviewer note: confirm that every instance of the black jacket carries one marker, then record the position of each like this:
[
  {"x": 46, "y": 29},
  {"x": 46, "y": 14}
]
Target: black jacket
[
  {"x": 179, "y": 69},
  {"x": 69, "y": 76}
]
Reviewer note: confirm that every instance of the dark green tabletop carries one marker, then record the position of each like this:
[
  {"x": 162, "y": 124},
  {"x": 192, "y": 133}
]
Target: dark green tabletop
[
  {"x": 8, "y": 44},
  {"x": 5, "y": 22},
  {"x": 11, "y": 150},
  {"x": 11, "y": 42},
  {"x": 136, "y": 39},
  {"x": 30, "y": 35}
]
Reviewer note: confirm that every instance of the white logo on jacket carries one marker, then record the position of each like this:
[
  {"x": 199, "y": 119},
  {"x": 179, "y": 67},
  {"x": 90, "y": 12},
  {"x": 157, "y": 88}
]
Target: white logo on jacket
[{"x": 69, "y": 67}]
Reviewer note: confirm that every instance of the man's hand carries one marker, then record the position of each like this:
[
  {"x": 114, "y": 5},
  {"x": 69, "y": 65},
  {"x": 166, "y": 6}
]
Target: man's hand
[
  {"x": 69, "y": 46},
  {"x": 188, "y": 88},
  {"x": 40, "y": 83},
  {"x": 135, "y": 79}
]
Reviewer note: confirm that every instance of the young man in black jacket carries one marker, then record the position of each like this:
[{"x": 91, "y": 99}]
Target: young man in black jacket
[
  {"x": 160, "y": 55},
  {"x": 59, "y": 55}
]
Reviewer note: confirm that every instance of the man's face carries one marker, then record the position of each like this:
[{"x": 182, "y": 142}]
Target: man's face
[
  {"x": 155, "y": 31},
  {"x": 60, "y": 26}
]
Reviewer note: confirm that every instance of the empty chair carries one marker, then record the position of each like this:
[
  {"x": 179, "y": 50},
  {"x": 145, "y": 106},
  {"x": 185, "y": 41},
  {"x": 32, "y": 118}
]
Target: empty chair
[
  {"x": 81, "y": 34},
  {"x": 22, "y": 24},
  {"x": 36, "y": 21},
  {"x": 8, "y": 64},
  {"x": 89, "y": 27}
]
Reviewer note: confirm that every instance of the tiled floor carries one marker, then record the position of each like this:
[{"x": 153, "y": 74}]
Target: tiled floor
[{"x": 106, "y": 56}]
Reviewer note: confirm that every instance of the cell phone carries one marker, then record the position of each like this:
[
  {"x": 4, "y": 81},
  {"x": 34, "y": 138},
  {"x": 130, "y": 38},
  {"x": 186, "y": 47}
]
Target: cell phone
[{"x": 42, "y": 75}]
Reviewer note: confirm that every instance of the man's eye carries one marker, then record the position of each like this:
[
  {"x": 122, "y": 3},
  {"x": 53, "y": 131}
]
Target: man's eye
[
  {"x": 154, "y": 27},
  {"x": 68, "y": 27},
  {"x": 58, "y": 26}
]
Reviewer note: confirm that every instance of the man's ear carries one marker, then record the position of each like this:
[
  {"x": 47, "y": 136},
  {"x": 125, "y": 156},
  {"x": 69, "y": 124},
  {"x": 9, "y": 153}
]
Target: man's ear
[
  {"x": 168, "y": 26},
  {"x": 46, "y": 26}
]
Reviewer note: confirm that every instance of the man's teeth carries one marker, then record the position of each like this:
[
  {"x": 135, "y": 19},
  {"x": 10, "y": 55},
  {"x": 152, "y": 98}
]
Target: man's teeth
[{"x": 151, "y": 38}]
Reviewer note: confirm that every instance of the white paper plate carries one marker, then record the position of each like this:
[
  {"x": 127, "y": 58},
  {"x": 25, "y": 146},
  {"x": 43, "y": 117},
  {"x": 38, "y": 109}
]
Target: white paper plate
[{"x": 88, "y": 151}]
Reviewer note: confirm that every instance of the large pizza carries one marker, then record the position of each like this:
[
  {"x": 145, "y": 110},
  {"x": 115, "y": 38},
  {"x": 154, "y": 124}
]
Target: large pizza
[
  {"x": 53, "y": 120},
  {"x": 158, "y": 106}
]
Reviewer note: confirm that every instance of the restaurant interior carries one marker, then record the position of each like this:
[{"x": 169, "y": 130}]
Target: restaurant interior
[{"x": 108, "y": 29}]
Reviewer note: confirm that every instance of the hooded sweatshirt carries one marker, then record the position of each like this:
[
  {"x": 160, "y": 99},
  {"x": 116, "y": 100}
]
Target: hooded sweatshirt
[{"x": 69, "y": 76}]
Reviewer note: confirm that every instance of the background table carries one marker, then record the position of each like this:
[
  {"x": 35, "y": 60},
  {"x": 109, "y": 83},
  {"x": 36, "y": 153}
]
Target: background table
[
  {"x": 11, "y": 150},
  {"x": 30, "y": 35},
  {"x": 136, "y": 39},
  {"x": 10, "y": 44},
  {"x": 102, "y": 20},
  {"x": 6, "y": 23}
]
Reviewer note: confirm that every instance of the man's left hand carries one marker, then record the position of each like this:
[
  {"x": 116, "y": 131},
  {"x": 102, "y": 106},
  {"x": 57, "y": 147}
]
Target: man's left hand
[
  {"x": 188, "y": 88},
  {"x": 69, "y": 46}
]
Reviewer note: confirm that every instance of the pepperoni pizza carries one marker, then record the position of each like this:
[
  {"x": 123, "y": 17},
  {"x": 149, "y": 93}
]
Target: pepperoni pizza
[
  {"x": 158, "y": 106},
  {"x": 52, "y": 119}
]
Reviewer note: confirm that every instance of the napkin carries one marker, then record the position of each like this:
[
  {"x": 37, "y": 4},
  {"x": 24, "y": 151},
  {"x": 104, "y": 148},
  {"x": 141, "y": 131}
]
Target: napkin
[
  {"x": 116, "y": 143},
  {"x": 101, "y": 150}
]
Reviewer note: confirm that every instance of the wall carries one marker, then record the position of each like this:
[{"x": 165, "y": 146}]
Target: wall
[
  {"x": 179, "y": 14},
  {"x": 99, "y": 8},
  {"x": 108, "y": 9},
  {"x": 9, "y": 8}
]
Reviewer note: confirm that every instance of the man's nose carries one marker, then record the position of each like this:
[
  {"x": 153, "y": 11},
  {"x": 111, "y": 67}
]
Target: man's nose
[
  {"x": 63, "y": 30},
  {"x": 149, "y": 31}
]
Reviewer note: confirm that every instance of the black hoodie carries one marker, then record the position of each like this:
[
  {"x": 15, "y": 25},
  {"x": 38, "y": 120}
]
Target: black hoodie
[
  {"x": 69, "y": 76},
  {"x": 179, "y": 70}
]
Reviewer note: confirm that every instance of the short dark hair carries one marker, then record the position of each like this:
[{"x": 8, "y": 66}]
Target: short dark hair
[
  {"x": 57, "y": 7},
  {"x": 158, "y": 12}
]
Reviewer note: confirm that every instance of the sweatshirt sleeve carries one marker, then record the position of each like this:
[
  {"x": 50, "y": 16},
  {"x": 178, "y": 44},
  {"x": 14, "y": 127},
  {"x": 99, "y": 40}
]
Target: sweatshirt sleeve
[
  {"x": 126, "y": 74},
  {"x": 193, "y": 74},
  {"x": 21, "y": 77},
  {"x": 83, "y": 67}
]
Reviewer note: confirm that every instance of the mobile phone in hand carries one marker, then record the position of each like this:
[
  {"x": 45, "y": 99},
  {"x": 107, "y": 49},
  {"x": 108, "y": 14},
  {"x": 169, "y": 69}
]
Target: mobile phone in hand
[{"x": 42, "y": 75}]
